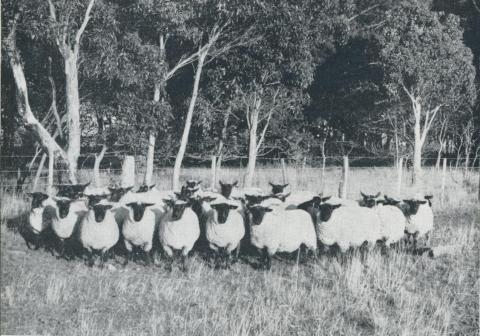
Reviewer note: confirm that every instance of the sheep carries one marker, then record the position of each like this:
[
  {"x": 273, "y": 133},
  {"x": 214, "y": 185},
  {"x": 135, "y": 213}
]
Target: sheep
[
  {"x": 280, "y": 231},
  {"x": 179, "y": 229},
  {"x": 68, "y": 215},
  {"x": 419, "y": 217},
  {"x": 224, "y": 228},
  {"x": 138, "y": 229},
  {"x": 391, "y": 218},
  {"x": 345, "y": 226},
  {"x": 98, "y": 231},
  {"x": 37, "y": 221}
]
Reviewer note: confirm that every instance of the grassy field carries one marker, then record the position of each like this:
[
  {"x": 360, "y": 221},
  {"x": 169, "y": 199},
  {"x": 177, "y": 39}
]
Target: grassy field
[{"x": 398, "y": 294}]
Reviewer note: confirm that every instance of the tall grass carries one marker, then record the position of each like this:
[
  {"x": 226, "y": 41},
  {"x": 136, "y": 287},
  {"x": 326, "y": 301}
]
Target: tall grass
[{"x": 398, "y": 294}]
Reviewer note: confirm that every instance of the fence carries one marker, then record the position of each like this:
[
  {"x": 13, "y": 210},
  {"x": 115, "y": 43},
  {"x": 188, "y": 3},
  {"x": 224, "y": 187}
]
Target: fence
[{"x": 340, "y": 176}]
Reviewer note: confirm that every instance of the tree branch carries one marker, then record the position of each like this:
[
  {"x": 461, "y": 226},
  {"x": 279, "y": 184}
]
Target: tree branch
[{"x": 80, "y": 31}]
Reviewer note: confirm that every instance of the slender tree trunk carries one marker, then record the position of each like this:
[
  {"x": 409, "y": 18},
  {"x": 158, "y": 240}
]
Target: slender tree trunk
[
  {"x": 417, "y": 148},
  {"x": 73, "y": 110},
  {"x": 51, "y": 162},
  {"x": 439, "y": 155},
  {"x": 188, "y": 122},
  {"x": 151, "y": 144},
  {"x": 96, "y": 166},
  {"x": 252, "y": 147},
  {"x": 221, "y": 143}
]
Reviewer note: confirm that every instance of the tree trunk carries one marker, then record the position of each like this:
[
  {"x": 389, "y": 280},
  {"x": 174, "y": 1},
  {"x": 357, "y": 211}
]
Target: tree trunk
[
  {"x": 73, "y": 110},
  {"x": 439, "y": 156},
  {"x": 417, "y": 148},
  {"x": 188, "y": 123},
  {"x": 151, "y": 144},
  {"x": 23, "y": 105},
  {"x": 51, "y": 161},
  {"x": 96, "y": 166},
  {"x": 252, "y": 147}
]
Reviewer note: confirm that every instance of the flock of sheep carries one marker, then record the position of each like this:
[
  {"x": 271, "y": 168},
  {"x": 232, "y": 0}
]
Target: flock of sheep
[{"x": 98, "y": 219}]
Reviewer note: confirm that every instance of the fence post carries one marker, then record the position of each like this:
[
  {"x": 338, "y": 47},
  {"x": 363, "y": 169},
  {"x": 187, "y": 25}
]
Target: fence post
[
  {"x": 399, "y": 174},
  {"x": 284, "y": 171},
  {"x": 345, "y": 177},
  {"x": 51, "y": 161},
  {"x": 128, "y": 172},
  {"x": 214, "y": 172},
  {"x": 444, "y": 175}
]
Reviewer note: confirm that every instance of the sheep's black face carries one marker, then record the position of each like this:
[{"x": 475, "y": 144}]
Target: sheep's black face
[
  {"x": 177, "y": 211},
  {"x": 277, "y": 188},
  {"x": 326, "y": 211},
  {"x": 257, "y": 213},
  {"x": 94, "y": 199},
  {"x": 37, "y": 199},
  {"x": 138, "y": 210},
  {"x": 255, "y": 199},
  {"x": 226, "y": 188},
  {"x": 100, "y": 210},
  {"x": 63, "y": 208},
  {"x": 117, "y": 193},
  {"x": 412, "y": 207},
  {"x": 223, "y": 210},
  {"x": 192, "y": 184},
  {"x": 369, "y": 201}
]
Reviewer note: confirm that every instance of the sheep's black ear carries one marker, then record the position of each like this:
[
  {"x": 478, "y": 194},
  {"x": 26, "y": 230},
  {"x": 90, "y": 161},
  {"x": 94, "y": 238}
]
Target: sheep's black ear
[
  {"x": 285, "y": 185},
  {"x": 86, "y": 184},
  {"x": 234, "y": 183},
  {"x": 199, "y": 182},
  {"x": 128, "y": 189},
  {"x": 221, "y": 183},
  {"x": 324, "y": 199},
  {"x": 231, "y": 206},
  {"x": 428, "y": 197},
  {"x": 108, "y": 206},
  {"x": 153, "y": 185},
  {"x": 377, "y": 194},
  {"x": 363, "y": 195},
  {"x": 421, "y": 202},
  {"x": 130, "y": 204},
  {"x": 268, "y": 209},
  {"x": 148, "y": 204}
]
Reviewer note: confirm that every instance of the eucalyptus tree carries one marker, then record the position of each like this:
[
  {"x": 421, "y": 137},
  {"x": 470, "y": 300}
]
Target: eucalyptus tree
[
  {"x": 60, "y": 25},
  {"x": 426, "y": 63}
]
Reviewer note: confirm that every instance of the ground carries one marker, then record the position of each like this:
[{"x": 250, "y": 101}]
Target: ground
[{"x": 398, "y": 294}]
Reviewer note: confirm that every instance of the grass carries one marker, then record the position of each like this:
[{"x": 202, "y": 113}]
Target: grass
[{"x": 396, "y": 295}]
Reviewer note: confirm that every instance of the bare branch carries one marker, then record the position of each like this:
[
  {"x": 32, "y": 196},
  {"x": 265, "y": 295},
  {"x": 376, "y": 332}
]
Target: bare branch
[
  {"x": 477, "y": 7},
  {"x": 80, "y": 31},
  {"x": 363, "y": 12}
]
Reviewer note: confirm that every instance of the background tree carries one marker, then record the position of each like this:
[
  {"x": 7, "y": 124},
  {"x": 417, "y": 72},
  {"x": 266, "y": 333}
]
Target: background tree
[{"x": 425, "y": 61}]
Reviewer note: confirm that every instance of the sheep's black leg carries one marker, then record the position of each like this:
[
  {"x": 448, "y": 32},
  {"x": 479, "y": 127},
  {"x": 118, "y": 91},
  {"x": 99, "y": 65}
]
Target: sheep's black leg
[
  {"x": 103, "y": 258},
  {"x": 90, "y": 258},
  {"x": 269, "y": 261},
  {"x": 128, "y": 257},
  {"x": 227, "y": 260},
  {"x": 184, "y": 263}
]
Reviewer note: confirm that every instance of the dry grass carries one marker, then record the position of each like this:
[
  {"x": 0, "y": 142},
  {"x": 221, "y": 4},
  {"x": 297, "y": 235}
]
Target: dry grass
[{"x": 396, "y": 295}]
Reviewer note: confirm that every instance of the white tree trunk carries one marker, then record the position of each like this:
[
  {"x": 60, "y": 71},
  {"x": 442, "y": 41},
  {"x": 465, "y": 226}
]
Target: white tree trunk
[
  {"x": 128, "y": 172},
  {"x": 73, "y": 110},
  {"x": 96, "y": 166},
  {"x": 151, "y": 145},
  {"x": 39, "y": 171},
  {"x": 417, "y": 146},
  {"x": 188, "y": 122},
  {"x": 51, "y": 162},
  {"x": 252, "y": 147}
]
